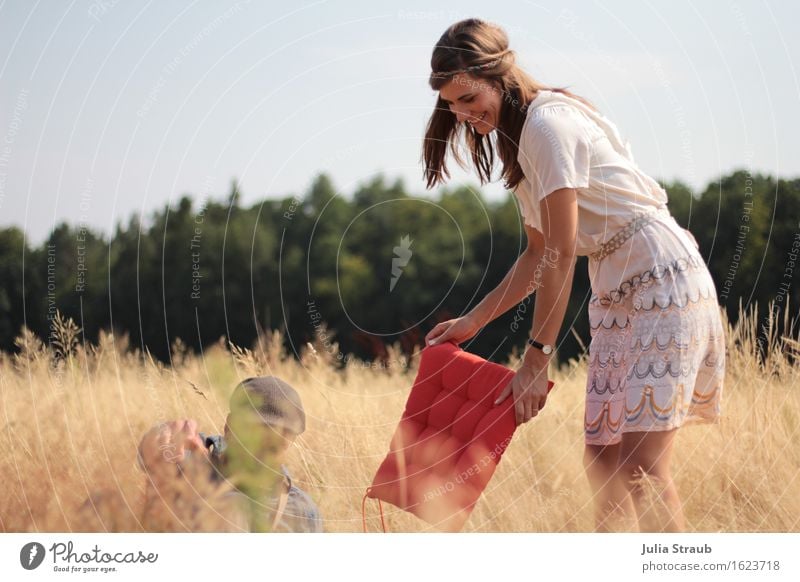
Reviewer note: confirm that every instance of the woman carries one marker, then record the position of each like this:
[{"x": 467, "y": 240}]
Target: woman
[{"x": 657, "y": 354}]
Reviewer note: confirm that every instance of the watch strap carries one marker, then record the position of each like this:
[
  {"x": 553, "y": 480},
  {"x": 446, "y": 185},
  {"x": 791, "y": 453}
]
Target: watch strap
[{"x": 536, "y": 344}]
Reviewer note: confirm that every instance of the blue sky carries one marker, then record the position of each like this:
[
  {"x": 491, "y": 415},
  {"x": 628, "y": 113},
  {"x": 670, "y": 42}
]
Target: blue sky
[{"x": 110, "y": 108}]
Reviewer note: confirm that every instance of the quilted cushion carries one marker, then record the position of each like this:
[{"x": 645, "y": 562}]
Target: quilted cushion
[{"x": 450, "y": 438}]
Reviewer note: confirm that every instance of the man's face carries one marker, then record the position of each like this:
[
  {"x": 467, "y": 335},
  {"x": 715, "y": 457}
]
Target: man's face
[
  {"x": 254, "y": 453},
  {"x": 247, "y": 435}
]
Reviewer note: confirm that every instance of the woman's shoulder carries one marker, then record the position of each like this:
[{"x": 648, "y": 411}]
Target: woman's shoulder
[
  {"x": 554, "y": 107},
  {"x": 561, "y": 116},
  {"x": 556, "y": 116},
  {"x": 555, "y": 125}
]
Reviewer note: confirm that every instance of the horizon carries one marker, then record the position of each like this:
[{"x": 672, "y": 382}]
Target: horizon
[{"x": 222, "y": 196}]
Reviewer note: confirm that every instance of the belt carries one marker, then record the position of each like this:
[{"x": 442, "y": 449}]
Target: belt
[{"x": 640, "y": 219}]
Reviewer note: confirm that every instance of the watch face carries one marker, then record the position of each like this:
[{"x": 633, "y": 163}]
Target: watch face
[{"x": 547, "y": 349}]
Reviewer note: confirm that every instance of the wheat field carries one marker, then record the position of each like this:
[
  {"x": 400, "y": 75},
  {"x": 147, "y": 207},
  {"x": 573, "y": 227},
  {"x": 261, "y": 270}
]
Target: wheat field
[{"x": 73, "y": 415}]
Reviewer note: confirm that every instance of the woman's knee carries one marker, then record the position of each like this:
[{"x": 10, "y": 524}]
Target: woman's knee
[
  {"x": 601, "y": 460},
  {"x": 646, "y": 454}
]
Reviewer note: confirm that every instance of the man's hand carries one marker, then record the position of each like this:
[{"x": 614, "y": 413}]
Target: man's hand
[
  {"x": 186, "y": 498},
  {"x": 529, "y": 387},
  {"x": 168, "y": 443}
]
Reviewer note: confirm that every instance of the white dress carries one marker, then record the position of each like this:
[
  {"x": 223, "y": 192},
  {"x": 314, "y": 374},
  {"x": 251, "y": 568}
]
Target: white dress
[{"x": 657, "y": 354}]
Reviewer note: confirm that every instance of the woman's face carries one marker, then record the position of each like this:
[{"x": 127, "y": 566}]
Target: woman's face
[{"x": 473, "y": 100}]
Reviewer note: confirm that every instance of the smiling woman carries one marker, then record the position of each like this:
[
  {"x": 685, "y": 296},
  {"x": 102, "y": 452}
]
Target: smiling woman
[
  {"x": 481, "y": 89},
  {"x": 657, "y": 355}
]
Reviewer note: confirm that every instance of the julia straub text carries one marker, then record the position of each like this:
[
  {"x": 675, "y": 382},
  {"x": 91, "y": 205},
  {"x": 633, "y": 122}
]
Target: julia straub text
[{"x": 674, "y": 549}]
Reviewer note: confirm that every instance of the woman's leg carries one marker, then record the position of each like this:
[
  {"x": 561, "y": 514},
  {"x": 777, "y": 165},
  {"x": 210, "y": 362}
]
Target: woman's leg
[
  {"x": 648, "y": 455},
  {"x": 614, "y": 510}
]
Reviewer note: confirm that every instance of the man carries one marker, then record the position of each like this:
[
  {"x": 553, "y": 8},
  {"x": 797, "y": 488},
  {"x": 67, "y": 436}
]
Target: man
[{"x": 266, "y": 415}]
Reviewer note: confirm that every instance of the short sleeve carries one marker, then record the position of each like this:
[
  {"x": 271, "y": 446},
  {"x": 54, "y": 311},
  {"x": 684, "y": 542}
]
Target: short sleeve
[{"x": 555, "y": 151}]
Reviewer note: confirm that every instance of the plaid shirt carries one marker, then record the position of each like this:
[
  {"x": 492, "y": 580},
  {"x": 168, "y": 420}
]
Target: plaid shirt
[{"x": 300, "y": 514}]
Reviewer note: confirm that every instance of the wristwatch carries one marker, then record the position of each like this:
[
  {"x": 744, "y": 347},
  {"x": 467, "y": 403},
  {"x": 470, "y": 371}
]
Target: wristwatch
[{"x": 547, "y": 349}]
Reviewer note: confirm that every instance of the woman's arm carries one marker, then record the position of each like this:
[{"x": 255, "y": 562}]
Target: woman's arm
[
  {"x": 519, "y": 282},
  {"x": 523, "y": 278},
  {"x": 560, "y": 227},
  {"x": 559, "y": 213}
]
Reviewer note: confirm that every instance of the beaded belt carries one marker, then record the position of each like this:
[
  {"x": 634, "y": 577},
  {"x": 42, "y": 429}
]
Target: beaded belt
[{"x": 640, "y": 220}]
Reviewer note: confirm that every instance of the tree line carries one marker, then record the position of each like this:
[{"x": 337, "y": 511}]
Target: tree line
[{"x": 363, "y": 270}]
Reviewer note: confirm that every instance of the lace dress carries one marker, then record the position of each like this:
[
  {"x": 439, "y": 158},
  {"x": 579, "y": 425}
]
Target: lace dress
[{"x": 657, "y": 355}]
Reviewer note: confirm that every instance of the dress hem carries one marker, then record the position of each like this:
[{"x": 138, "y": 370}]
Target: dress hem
[{"x": 688, "y": 421}]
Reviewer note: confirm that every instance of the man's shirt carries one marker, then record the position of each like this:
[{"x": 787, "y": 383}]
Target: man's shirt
[{"x": 300, "y": 514}]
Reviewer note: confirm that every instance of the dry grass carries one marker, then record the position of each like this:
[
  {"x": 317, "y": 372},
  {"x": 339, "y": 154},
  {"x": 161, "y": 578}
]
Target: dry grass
[{"x": 72, "y": 416}]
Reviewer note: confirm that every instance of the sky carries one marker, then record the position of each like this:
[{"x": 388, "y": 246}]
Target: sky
[{"x": 115, "y": 108}]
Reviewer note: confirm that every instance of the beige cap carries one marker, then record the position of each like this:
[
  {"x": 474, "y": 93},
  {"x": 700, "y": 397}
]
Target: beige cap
[{"x": 275, "y": 401}]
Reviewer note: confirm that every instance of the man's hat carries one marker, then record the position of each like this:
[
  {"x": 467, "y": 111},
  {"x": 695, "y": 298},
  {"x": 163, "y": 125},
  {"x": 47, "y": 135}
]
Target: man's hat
[{"x": 275, "y": 401}]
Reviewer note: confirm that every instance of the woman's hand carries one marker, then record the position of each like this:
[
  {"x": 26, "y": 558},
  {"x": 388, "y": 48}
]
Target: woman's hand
[
  {"x": 529, "y": 387},
  {"x": 457, "y": 330},
  {"x": 168, "y": 443}
]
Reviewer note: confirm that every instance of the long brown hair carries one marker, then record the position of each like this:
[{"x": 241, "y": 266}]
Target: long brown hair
[{"x": 481, "y": 49}]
